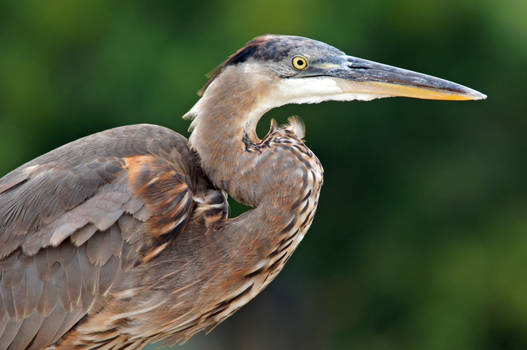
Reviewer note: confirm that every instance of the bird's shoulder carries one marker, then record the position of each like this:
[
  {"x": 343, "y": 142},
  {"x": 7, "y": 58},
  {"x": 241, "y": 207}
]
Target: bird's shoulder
[{"x": 144, "y": 170}]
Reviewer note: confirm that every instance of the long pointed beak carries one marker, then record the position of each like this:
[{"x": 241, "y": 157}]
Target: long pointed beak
[{"x": 361, "y": 76}]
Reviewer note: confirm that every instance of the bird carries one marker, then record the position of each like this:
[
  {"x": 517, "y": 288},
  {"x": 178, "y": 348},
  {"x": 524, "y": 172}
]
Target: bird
[{"x": 123, "y": 238}]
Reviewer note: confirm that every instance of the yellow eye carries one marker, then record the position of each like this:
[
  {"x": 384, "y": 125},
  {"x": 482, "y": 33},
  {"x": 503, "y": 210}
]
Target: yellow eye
[{"x": 299, "y": 62}]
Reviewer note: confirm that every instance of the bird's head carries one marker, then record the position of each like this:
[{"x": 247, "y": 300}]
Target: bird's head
[{"x": 302, "y": 70}]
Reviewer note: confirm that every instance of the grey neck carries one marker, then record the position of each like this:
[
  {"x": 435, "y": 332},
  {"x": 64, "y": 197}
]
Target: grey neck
[{"x": 224, "y": 121}]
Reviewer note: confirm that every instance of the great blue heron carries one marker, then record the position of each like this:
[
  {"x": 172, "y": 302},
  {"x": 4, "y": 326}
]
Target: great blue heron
[{"x": 122, "y": 238}]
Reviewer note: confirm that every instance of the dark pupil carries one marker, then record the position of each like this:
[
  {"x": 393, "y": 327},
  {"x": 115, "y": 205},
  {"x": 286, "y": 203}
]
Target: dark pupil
[{"x": 299, "y": 62}]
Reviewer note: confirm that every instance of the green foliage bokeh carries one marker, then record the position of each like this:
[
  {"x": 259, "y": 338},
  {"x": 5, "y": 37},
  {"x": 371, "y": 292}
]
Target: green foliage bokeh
[{"x": 420, "y": 240}]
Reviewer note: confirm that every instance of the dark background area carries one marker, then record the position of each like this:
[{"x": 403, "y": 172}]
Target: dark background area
[{"x": 420, "y": 239}]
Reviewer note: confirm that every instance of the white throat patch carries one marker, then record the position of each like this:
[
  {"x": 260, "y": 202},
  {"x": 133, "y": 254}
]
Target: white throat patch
[{"x": 316, "y": 90}]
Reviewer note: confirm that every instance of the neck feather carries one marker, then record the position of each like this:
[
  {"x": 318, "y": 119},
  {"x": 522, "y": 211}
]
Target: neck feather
[{"x": 224, "y": 120}]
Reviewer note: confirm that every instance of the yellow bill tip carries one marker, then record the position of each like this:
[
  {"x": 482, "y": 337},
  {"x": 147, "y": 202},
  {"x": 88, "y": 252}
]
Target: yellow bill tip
[{"x": 461, "y": 93}]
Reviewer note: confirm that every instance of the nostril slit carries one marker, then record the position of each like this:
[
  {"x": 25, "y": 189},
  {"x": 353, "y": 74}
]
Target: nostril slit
[{"x": 357, "y": 66}]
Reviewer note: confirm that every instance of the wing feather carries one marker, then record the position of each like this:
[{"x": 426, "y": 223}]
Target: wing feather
[
  {"x": 80, "y": 236},
  {"x": 27, "y": 331},
  {"x": 10, "y": 332},
  {"x": 48, "y": 329},
  {"x": 48, "y": 300},
  {"x": 34, "y": 290},
  {"x": 108, "y": 274},
  {"x": 73, "y": 279}
]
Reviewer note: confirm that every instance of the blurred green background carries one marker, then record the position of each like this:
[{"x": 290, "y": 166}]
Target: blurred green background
[{"x": 420, "y": 240}]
